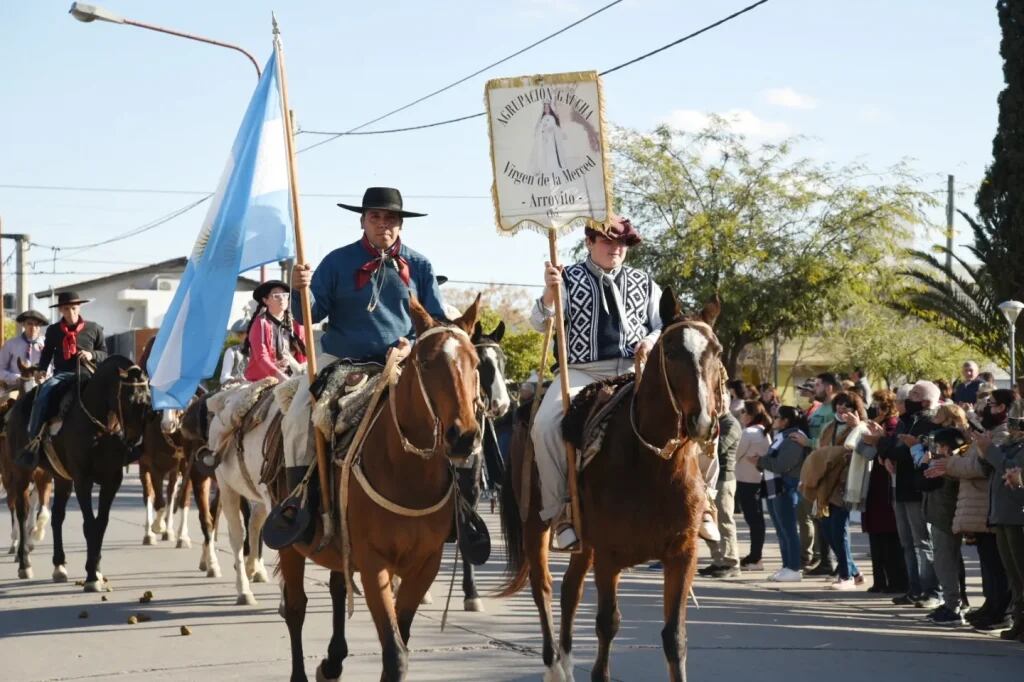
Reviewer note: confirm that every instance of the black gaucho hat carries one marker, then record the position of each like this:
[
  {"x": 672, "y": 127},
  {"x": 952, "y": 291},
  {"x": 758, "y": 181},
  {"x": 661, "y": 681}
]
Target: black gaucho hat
[
  {"x": 32, "y": 315},
  {"x": 69, "y": 298},
  {"x": 382, "y": 199},
  {"x": 264, "y": 289}
]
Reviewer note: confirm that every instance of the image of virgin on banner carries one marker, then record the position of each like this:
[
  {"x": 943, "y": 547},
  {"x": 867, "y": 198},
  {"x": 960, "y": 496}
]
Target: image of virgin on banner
[{"x": 548, "y": 152}]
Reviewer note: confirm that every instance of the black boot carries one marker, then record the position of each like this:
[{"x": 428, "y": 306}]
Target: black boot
[
  {"x": 28, "y": 458},
  {"x": 293, "y": 520}
]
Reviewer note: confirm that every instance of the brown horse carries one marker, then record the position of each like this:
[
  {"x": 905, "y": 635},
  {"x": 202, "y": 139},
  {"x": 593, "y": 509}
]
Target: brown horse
[
  {"x": 641, "y": 497},
  {"x": 163, "y": 463},
  {"x": 406, "y": 463},
  {"x": 18, "y": 483}
]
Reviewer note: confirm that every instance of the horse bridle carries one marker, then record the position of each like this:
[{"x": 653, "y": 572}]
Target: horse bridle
[
  {"x": 121, "y": 385},
  {"x": 407, "y": 445},
  {"x": 666, "y": 451}
]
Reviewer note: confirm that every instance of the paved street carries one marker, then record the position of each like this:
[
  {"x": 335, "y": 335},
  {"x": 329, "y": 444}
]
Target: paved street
[{"x": 745, "y": 628}]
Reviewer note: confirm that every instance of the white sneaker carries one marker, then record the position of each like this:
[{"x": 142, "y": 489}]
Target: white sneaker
[
  {"x": 709, "y": 528},
  {"x": 843, "y": 585},
  {"x": 774, "y": 577},
  {"x": 788, "y": 575}
]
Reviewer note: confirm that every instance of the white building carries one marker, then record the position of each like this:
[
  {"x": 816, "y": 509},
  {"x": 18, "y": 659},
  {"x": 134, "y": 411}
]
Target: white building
[{"x": 137, "y": 299}]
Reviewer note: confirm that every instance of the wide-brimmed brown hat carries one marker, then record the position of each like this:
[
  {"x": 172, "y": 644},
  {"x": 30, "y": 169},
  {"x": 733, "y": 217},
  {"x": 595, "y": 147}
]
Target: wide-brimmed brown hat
[
  {"x": 382, "y": 199},
  {"x": 618, "y": 230},
  {"x": 69, "y": 298},
  {"x": 32, "y": 315}
]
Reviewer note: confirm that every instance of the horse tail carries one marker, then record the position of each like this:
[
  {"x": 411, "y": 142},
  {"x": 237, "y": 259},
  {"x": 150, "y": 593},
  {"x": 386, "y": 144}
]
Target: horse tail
[{"x": 517, "y": 568}]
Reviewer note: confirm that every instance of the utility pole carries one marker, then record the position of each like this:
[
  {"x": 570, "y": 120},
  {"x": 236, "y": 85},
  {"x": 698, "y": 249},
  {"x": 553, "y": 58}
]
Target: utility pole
[
  {"x": 21, "y": 286},
  {"x": 949, "y": 224}
]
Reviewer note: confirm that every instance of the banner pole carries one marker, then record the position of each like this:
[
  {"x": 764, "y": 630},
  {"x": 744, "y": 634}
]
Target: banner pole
[
  {"x": 563, "y": 374},
  {"x": 304, "y": 302}
]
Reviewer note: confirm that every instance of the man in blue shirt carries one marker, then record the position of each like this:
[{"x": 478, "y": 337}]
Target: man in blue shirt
[{"x": 363, "y": 292}]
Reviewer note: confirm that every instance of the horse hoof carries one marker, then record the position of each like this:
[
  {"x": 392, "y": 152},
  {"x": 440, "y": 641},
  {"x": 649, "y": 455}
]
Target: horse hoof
[
  {"x": 321, "y": 677},
  {"x": 245, "y": 600},
  {"x": 565, "y": 661},
  {"x": 202, "y": 564},
  {"x": 474, "y": 604},
  {"x": 427, "y": 598},
  {"x": 259, "y": 577},
  {"x": 60, "y": 574},
  {"x": 554, "y": 673},
  {"x": 25, "y": 573},
  {"x": 213, "y": 572},
  {"x": 93, "y": 586},
  {"x": 166, "y": 537},
  {"x": 184, "y": 543},
  {"x": 149, "y": 539},
  {"x": 13, "y": 550}
]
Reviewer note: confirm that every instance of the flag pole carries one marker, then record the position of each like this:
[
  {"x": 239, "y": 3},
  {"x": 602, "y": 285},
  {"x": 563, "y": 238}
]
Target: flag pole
[
  {"x": 563, "y": 374},
  {"x": 307, "y": 312}
]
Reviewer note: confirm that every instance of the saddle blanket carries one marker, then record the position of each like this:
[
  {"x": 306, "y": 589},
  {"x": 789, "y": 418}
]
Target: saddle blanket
[{"x": 586, "y": 421}]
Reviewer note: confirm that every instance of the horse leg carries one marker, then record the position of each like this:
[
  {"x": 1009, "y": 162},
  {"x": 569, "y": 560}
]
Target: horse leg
[
  {"x": 472, "y": 601},
  {"x": 83, "y": 493},
  {"x": 254, "y": 567},
  {"x": 231, "y": 502},
  {"x": 380, "y": 600},
  {"x": 246, "y": 519},
  {"x": 172, "y": 493},
  {"x": 108, "y": 490},
  {"x": 414, "y": 586},
  {"x": 62, "y": 491},
  {"x": 329, "y": 669},
  {"x": 292, "y": 567},
  {"x": 148, "y": 494},
  {"x": 208, "y": 558},
  {"x": 606, "y": 579},
  {"x": 22, "y": 505},
  {"x": 159, "y": 526},
  {"x": 535, "y": 543},
  {"x": 184, "y": 495},
  {"x": 15, "y": 534},
  {"x": 44, "y": 488},
  {"x": 571, "y": 595},
  {"x": 469, "y": 488},
  {"x": 678, "y": 579}
]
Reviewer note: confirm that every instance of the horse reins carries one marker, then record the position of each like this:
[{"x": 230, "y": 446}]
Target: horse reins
[
  {"x": 121, "y": 385},
  {"x": 407, "y": 445},
  {"x": 666, "y": 451}
]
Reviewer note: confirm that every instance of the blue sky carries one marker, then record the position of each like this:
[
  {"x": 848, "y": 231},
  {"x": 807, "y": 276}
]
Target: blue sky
[{"x": 109, "y": 106}]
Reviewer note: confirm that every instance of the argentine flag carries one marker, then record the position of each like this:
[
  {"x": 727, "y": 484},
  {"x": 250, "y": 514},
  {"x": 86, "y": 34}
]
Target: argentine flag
[{"x": 249, "y": 223}]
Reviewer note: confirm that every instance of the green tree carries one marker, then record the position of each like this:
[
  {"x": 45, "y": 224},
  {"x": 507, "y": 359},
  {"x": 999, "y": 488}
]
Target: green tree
[
  {"x": 787, "y": 243},
  {"x": 963, "y": 299}
]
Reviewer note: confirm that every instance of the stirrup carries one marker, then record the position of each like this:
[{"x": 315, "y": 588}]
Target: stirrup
[{"x": 563, "y": 538}]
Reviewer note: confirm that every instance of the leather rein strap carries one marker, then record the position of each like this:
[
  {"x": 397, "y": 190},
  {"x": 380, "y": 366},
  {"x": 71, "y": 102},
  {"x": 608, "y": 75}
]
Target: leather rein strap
[{"x": 673, "y": 444}]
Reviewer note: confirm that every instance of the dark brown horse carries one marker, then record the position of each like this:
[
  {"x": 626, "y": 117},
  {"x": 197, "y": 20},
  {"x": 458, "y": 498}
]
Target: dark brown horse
[
  {"x": 406, "y": 462},
  {"x": 641, "y": 497},
  {"x": 163, "y": 464},
  {"x": 92, "y": 446}
]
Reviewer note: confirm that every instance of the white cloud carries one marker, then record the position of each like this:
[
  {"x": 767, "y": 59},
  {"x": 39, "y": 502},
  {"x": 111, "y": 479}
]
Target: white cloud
[
  {"x": 742, "y": 121},
  {"x": 789, "y": 98}
]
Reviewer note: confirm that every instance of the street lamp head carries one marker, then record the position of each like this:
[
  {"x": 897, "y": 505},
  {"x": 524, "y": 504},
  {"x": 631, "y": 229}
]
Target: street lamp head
[
  {"x": 87, "y": 13},
  {"x": 1011, "y": 309}
]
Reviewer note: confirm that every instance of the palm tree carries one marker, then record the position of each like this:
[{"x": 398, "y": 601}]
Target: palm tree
[{"x": 962, "y": 299}]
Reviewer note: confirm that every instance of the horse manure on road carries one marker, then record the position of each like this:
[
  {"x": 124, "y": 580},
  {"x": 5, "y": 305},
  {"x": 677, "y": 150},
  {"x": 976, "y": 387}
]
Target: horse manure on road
[
  {"x": 103, "y": 598},
  {"x": 146, "y": 597},
  {"x": 133, "y": 619},
  {"x": 185, "y": 631}
]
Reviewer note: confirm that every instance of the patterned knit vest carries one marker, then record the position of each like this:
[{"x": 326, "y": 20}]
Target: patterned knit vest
[{"x": 584, "y": 334}]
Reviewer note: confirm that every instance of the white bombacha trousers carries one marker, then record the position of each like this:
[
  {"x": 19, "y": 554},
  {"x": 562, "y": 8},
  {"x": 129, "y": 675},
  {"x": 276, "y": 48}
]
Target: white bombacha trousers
[
  {"x": 297, "y": 425},
  {"x": 549, "y": 447}
]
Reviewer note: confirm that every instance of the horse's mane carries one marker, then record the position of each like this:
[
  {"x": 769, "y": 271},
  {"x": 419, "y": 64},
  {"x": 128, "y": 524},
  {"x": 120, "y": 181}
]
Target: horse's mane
[{"x": 579, "y": 411}]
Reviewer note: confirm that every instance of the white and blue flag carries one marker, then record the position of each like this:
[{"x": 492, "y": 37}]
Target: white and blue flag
[{"x": 249, "y": 223}]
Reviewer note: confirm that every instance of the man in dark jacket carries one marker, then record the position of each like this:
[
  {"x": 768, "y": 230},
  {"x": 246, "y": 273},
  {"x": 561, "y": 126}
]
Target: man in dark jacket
[
  {"x": 725, "y": 554},
  {"x": 894, "y": 452},
  {"x": 68, "y": 342}
]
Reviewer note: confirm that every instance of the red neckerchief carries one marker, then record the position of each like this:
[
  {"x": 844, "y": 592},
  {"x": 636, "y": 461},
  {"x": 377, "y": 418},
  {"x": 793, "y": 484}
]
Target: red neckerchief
[
  {"x": 365, "y": 273},
  {"x": 69, "y": 345}
]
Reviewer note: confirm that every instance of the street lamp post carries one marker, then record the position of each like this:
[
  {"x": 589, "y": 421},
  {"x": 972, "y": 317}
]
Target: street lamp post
[
  {"x": 89, "y": 13},
  {"x": 1011, "y": 309}
]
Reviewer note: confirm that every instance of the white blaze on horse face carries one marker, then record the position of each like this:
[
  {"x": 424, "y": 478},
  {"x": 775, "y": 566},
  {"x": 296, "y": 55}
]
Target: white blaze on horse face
[
  {"x": 500, "y": 400},
  {"x": 697, "y": 344},
  {"x": 169, "y": 421},
  {"x": 451, "y": 349}
]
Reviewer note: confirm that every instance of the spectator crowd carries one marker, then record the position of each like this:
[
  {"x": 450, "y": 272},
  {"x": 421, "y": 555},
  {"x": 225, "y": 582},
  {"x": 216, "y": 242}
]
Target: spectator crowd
[{"x": 929, "y": 469}]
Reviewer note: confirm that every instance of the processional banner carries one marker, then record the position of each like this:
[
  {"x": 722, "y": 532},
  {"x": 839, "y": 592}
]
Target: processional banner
[{"x": 548, "y": 152}]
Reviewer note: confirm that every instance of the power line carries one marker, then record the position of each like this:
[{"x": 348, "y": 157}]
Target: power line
[
  {"x": 352, "y": 131},
  {"x": 690, "y": 36},
  {"x": 143, "y": 190}
]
